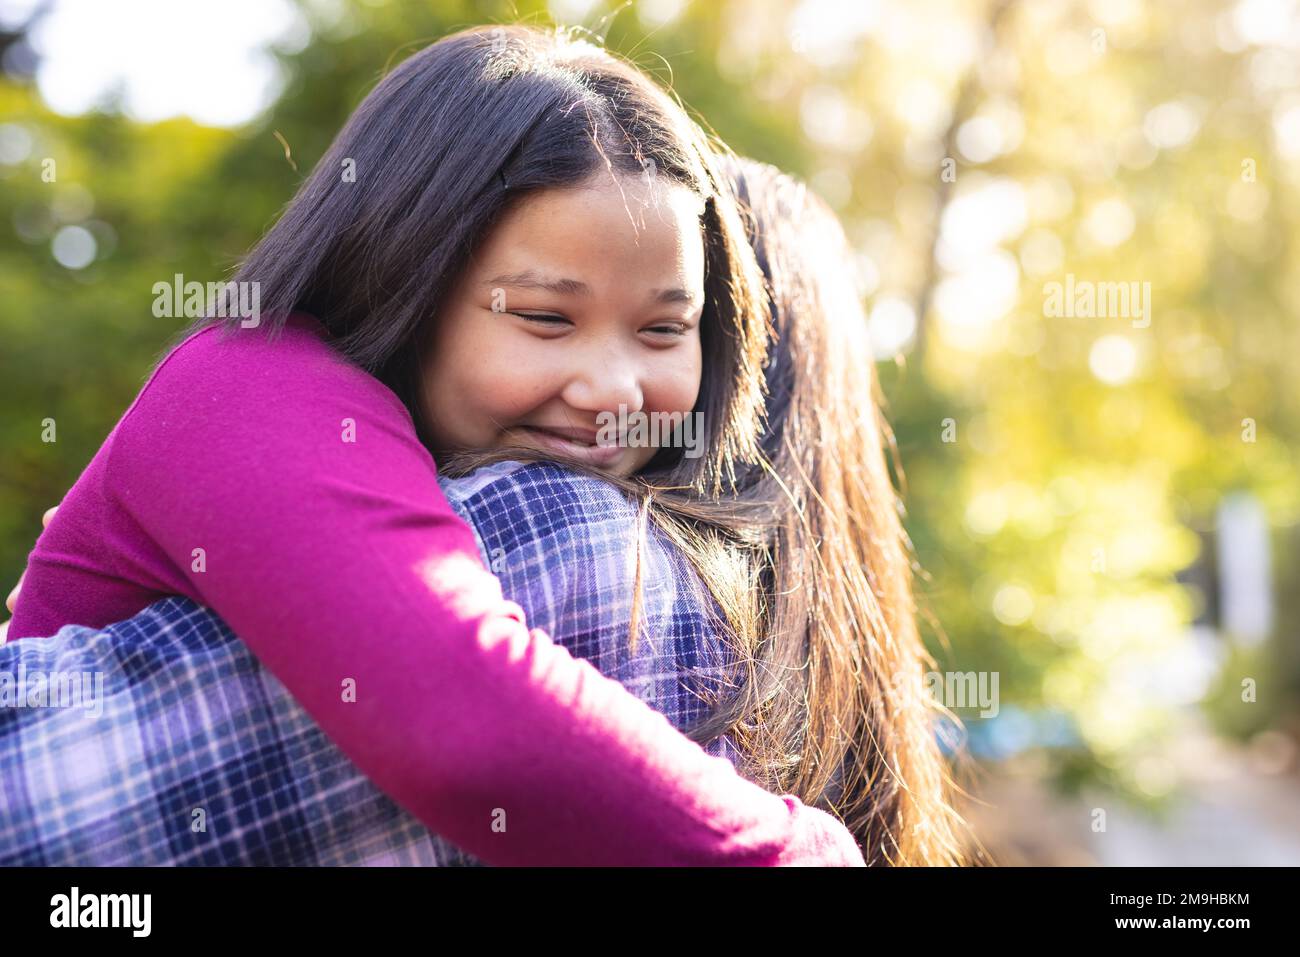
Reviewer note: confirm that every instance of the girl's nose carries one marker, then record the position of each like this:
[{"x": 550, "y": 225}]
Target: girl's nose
[{"x": 603, "y": 383}]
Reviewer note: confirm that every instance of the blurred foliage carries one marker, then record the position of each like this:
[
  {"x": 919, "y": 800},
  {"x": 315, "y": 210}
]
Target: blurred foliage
[{"x": 1059, "y": 470}]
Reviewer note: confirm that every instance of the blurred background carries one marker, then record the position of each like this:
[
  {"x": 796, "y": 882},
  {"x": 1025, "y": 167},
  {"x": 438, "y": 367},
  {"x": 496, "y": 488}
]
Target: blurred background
[{"x": 1075, "y": 225}]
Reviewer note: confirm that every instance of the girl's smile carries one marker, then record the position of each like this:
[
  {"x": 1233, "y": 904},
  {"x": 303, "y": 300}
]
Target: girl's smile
[{"x": 576, "y": 443}]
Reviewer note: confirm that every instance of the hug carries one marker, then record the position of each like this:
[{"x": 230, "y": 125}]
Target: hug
[{"x": 559, "y": 651}]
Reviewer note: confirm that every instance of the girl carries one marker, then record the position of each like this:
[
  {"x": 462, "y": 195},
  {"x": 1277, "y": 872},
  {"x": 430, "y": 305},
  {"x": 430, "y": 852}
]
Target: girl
[{"x": 277, "y": 474}]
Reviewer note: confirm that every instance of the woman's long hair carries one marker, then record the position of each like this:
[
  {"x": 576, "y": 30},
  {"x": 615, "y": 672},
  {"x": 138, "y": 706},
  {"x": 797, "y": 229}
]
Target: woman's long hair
[
  {"x": 807, "y": 557},
  {"x": 840, "y": 712}
]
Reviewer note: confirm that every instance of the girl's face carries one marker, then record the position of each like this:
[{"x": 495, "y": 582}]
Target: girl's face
[{"x": 579, "y": 302}]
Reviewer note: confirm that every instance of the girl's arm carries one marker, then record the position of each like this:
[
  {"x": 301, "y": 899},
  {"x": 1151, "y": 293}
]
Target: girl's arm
[{"x": 288, "y": 491}]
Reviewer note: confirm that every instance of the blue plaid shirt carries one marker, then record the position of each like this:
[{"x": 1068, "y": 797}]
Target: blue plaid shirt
[{"x": 178, "y": 747}]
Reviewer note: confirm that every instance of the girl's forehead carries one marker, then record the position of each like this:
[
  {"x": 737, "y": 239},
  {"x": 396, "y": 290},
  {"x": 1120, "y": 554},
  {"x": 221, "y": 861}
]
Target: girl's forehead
[
  {"x": 638, "y": 193},
  {"x": 625, "y": 222}
]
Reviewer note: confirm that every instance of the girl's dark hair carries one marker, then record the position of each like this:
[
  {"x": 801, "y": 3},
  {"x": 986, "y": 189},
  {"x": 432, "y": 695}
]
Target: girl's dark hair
[
  {"x": 799, "y": 541},
  {"x": 440, "y": 149}
]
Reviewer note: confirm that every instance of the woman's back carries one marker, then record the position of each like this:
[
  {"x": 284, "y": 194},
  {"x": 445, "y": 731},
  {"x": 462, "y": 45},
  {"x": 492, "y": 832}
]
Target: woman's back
[{"x": 270, "y": 785}]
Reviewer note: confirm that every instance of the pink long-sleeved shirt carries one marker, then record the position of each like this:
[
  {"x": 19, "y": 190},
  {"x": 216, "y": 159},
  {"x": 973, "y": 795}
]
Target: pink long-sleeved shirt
[{"x": 274, "y": 482}]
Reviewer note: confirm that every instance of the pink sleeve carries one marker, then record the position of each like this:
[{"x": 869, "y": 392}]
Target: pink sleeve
[{"x": 328, "y": 546}]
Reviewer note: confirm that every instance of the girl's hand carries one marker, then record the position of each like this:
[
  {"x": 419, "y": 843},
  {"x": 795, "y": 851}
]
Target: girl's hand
[{"x": 12, "y": 600}]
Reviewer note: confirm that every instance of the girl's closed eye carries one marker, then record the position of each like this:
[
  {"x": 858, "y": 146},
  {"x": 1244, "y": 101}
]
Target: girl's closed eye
[
  {"x": 554, "y": 320},
  {"x": 670, "y": 329},
  {"x": 544, "y": 318}
]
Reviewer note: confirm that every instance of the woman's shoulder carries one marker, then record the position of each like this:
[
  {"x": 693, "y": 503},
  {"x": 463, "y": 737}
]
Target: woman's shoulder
[
  {"x": 543, "y": 519},
  {"x": 545, "y": 496}
]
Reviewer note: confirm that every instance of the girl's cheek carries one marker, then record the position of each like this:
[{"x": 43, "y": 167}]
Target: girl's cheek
[
  {"x": 677, "y": 381},
  {"x": 461, "y": 377},
  {"x": 519, "y": 377},
  {"x": 490, "y": 355}
]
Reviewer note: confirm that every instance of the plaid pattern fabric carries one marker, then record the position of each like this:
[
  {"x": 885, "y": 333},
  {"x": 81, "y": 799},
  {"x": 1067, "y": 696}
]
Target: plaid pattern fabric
[
  {"x": 183, "y": 750},
  {"x": 564, "y": 548}
]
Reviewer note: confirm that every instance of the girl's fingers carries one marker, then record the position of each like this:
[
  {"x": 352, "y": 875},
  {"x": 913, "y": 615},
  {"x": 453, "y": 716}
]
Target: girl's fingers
[
  {"x": 13, "y": 595},
  {"x": 12, "y": 600}
]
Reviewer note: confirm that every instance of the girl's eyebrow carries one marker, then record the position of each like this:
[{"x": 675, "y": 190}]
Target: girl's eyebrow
[
  {"x": 531, "y": 280},
  {"x": 673, "y": 295},
  {"x": 572, "y": 287}
]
